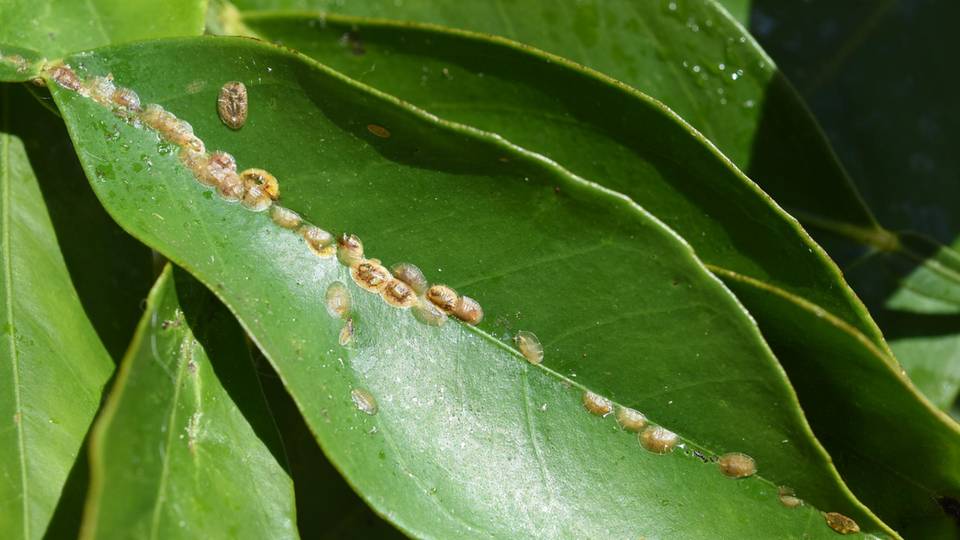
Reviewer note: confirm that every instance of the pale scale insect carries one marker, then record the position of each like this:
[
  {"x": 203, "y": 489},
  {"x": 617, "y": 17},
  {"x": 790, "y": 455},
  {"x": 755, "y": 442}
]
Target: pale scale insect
[
  {"x": 658, "y": 439},
  {"x": 630, "y": 419},
  {"x": 346, "y": 333},
  {"x": 597, "y": 404},
  {"x": 468, "y": 310},
  {"x": 284, "y": 217},
  {"x": 427, "y": 313},
  {"x": 318, "y": 240},
  {"x": 364, "y": 401},
  {"x": 529, "y": 346},
  {"x": 337, "y": 300},
  {"x": 262, "y": 179},
  {"x": 349, "y": 249},
  {"x": 443, "y": 297},
  {"x": 411, "y": 275}
]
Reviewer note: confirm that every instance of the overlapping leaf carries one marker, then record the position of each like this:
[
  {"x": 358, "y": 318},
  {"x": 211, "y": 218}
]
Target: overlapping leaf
[
  {"x": 627, "y": 143},
  {"x": 181, "y": 450},
  {"x": 621, "y": 303},
  {"x": 912, "y": 188},
  {"x": 57, "y": 27},
  {"x": 54, "y": 366}
]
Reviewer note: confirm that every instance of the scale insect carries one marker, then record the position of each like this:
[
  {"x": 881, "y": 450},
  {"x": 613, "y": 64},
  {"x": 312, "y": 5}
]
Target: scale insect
[{"x": 233, "y": 104}]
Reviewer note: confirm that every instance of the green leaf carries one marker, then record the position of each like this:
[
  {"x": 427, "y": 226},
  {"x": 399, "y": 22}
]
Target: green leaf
[
  {"x": 54, "y": 367},
  {"x": 462, "y": 443},
  {"x": 18, "y": 64},
  {"x": 591, "y": 125},
  {"x": 910, "y": 479},
  {"x": 689, "y": 54},
  {"x": 625, "y": 142},
  {"x": 181, "y": 450},
  {"x": 327, "y": 506},
  {"x": 915, "y": 294},
  {"x": 912, "y": 187},
  {"x": 111, "y": 271},
  {"x": 56, "y": 27}
]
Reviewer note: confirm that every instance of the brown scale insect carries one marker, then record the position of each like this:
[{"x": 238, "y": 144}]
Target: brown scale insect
[
  {"x": 371, "y": 276},
  {"x": 232, "y": 104},
  {"x": 399, "y": 294},
  {"x": 841, "y": 523},
  {"x": 266, "y": 181},
  {"x": 443, "y": 297},
  {"x": 65, "y": 77},
  {"x": 318, "y": 240},
  {"x": 468, "y": 310},
  {"x": 658, "y": 439},
  {"x": 379, "y": 131},
  {"x": 597, "y": 404}
]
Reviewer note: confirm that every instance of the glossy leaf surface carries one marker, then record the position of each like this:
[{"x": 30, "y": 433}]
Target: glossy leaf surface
[
  {"x": 181, "y": 448},
  {"x": 54, "y": 366},
  {"x": 624, "y": 142},
  {"x": 601, "y": 281},
  {"x": 56, "y": 27}
]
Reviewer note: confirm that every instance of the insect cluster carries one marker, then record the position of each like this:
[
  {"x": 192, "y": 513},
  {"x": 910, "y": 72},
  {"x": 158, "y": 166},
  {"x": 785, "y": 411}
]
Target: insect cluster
[
  {"x": 403, "y": 286},
  {"x": 18, "y": 62}
]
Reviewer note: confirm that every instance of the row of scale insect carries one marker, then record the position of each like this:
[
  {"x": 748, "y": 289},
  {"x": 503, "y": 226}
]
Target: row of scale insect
[{"x": 402, "y": 286}]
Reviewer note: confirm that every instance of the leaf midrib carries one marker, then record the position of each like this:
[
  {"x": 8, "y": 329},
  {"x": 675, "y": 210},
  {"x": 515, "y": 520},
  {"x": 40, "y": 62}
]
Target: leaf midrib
[
  {"x": 165, "y": 471},
  {"x": 601, "y": 192},
  {"x": 8, "y": 301},
  {"x": 871, "y": 330}
]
